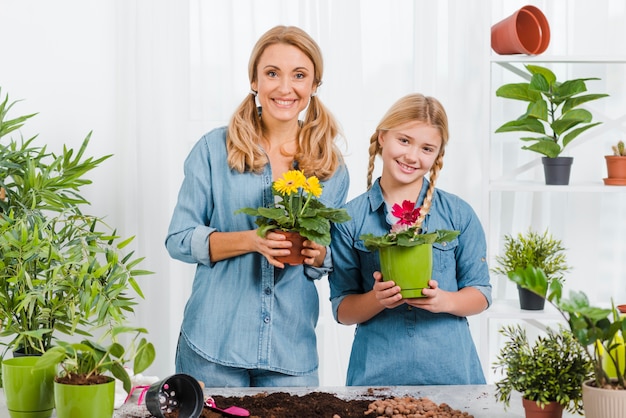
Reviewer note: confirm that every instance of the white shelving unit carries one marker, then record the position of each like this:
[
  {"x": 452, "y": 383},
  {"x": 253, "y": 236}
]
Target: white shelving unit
[{"x": 515, "y": 193}]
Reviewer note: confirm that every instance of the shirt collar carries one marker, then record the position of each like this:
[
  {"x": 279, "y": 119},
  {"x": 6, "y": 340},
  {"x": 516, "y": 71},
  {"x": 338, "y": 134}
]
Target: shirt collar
[{"x": 375, "y": 194}]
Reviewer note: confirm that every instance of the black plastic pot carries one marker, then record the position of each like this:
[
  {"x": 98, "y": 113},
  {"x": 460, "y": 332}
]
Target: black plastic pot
[
  {"x": 179, "y": 391},
  {"x": 557, "y": 170},
  {"x": 529, "y": 300}
]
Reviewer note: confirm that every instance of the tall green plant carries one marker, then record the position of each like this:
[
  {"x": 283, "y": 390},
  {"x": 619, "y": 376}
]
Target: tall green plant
[{"x": 61, "y": 270}]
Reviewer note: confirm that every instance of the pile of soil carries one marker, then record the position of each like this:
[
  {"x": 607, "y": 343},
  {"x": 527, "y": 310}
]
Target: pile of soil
[{"x": 327, "y": 405}]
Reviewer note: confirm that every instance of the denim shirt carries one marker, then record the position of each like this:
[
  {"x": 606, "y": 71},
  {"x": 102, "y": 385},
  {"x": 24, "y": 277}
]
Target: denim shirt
[
  {"x": 408, "y": 345},
  {"x": 242, "y": 311}
]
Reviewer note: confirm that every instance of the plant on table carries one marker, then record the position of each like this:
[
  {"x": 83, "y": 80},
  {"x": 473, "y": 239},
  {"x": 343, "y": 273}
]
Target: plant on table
[
  {"x": 551, "y": 369},
  {"x": 298, "y": 209}
]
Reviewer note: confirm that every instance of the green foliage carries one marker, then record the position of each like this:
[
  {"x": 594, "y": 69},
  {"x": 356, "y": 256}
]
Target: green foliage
[
  {"x": 297, "y": 210},
  {"x": 596, "y": 329},
  {"x": 407, "y": 238},
  {"x": 533, "y": 249},
  {"x": 552, "y": 110},
  {"x": 89, "y": 358},
  {"x": 551, "y": 369},
  {"x": 618, "y": 150},
  {"x": 61, "y": 270}
]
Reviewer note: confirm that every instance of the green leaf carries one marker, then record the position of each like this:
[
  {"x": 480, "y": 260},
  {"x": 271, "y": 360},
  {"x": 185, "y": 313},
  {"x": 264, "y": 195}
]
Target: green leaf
[{"x": 528, "y": 124}]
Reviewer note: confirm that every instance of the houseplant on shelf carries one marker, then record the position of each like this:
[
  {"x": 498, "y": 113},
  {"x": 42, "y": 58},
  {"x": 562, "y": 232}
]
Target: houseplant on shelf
[
  {"x": 554, "y": 114},
  {"x": 532, "y": 249},
  {"x": 85, "y": 385},
  {"x": 405, "y": 252},
  {"x": 548, "y": 372},
  {"x": 616, "y": 166},
  {"x": 599, "y": 330},
  {"x": 297, "y": 211}
]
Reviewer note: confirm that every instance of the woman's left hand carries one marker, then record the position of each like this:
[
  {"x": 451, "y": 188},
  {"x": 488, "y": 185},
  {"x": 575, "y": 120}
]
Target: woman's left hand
[{"x": 314, "y": 253}]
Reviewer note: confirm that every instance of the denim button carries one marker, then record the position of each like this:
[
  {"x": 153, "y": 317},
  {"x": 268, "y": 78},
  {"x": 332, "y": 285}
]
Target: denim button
[
  {"x": 268, "y": 291},
  {"x": 266, "y": 319}
]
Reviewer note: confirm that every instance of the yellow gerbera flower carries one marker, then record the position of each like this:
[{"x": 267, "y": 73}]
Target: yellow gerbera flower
[
  {"x": 313, "y": 186},
  {"x": 290, "y": 182}
]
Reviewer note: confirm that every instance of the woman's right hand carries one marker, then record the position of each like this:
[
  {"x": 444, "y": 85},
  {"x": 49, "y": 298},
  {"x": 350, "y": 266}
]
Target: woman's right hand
[
  {"x": 386, "y": 292},
  {"x": 272, "y": 246}
]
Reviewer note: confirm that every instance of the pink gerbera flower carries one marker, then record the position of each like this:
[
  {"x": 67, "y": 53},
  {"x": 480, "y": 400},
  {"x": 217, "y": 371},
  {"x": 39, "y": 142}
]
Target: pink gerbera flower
[{"x": 407, "y": 213}]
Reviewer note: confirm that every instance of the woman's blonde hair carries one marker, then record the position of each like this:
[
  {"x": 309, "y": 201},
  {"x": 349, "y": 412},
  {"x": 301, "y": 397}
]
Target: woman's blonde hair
[
  {"x": 317, "y": 153},
  {"x": 411, "y": 108}
]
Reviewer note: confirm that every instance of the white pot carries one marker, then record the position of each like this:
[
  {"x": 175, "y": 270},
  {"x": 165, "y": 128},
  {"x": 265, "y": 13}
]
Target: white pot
[{"x": 603, "y": 403}]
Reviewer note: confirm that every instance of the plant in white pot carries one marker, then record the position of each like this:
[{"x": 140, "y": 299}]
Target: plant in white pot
[
  {"x": 553, "y": 113},
  {"x": 531, "y": 248},
  {"x": 547, "y": 372},
  {"x": 600, "y": 330}
]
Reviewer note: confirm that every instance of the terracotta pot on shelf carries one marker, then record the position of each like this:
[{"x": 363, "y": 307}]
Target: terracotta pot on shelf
[
  {"x": 616, "y": 170},
  {"x": 297, "y": 241},
  {"x": 551, "y": 410},
  {"x": 524, "y": 32}
]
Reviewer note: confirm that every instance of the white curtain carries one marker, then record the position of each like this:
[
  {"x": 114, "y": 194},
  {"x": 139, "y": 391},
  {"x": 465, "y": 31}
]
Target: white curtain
[{"x": 150, "y": 76}]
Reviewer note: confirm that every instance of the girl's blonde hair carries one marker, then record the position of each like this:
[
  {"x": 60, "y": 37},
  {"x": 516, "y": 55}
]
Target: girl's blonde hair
[
  {"x": 317, "y": 153},
  {"x": 411, "y": 108}
]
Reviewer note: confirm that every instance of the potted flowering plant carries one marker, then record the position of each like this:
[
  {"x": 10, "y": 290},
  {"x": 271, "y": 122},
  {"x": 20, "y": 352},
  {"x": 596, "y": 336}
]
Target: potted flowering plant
[
  {"x": 297, "y": 210},
  {"x": 405, "y": 252}
]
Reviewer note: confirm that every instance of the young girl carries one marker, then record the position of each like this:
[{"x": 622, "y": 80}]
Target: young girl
[
  {"x": 250, "y": 319},
  {"x": 421, "y": 341}
]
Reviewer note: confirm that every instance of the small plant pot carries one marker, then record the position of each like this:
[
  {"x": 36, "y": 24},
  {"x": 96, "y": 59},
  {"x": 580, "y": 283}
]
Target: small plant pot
[
  {"x": 297, "y": 241},
  {"x": 529, "y": 300},
  {"x": 524, "y": 32},
  {"x": 177, "y": 392},
  {"x": 409, "y": 267},
  {"x": 551, "y": 410},
  {"x": 616, "y": 170},
  {"x": 81, "y": 401},
  {"x": 29, "y": 393},
  {"x": 557, "y": 170}
]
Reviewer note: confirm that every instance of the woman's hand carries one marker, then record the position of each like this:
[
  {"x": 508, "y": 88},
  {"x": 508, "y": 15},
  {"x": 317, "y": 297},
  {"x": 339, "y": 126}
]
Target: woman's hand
[
  {"x": 272, "y": 246},
  {"x": 435, "y": 300},
  {"x": 386, "y": 293},
  {"x": 314, "y": 253}
]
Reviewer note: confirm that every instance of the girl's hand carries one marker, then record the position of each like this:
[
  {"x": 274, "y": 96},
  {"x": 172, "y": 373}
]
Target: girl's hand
[
  {"x": 436, "y": 300},
  {"x": 386, "y": 293}
]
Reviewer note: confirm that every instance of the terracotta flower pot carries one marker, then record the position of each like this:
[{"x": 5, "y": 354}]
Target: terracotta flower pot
[
  {"x": 297, "y": 240},
  {"x": 551, "y": 410},
  {"x": 524, "y": 32},
  {"x": 616, "y": 170},
  {"x": 409, "y": 267}
]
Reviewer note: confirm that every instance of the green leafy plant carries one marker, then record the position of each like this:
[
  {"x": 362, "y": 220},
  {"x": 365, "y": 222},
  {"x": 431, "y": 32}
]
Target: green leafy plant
[
  {"x": 553, "y": 110},
  {"x": 61, "y": 270},
  {"x": 298, "y": 209},
  {"x": 406, "y": 232},
  {"x": 551, "y": 369},
  {"x": 599, "y": 330},
  {"x": 89, "y": 361},
  {"x": 618, "y": 149},
  {"x": 533, "y": 249}
]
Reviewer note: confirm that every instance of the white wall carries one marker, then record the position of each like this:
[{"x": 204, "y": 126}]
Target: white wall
[{"x": 137, "y": 74}]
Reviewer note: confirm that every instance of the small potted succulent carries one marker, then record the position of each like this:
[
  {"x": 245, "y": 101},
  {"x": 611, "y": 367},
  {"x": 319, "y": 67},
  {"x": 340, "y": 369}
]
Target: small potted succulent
[
  {"x": 599, "y": 330},
  {"x": 548, "y": 372},
  {"x": 616, "y": 166},
  {"x": 297, "y": 213},
  {"x": 405, "y": 252},
  {"x": 532, "y": 249},
  {"x": 554, "y": 114}
]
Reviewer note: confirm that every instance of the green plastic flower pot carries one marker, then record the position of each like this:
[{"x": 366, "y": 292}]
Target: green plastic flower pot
[
  {"x": 29, "y": 393},
  {"x": 82, "y": 401},
  {"x": 409, "y": 267}
]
